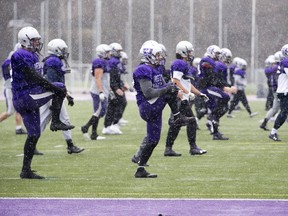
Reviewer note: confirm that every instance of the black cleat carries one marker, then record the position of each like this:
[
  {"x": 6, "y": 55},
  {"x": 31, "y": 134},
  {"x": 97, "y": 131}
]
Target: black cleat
[
  {"x": 183, "y": 121},
  {"x": 60, "y": 126},
  {"x": 171, "y": 153},
  {"x": 142, "y": 173},
  {"x": 274, "y": 137},
  {"x": 136, "y": 160},
  {"x": 36, "y": 152},
  {"x": 84, "y": 129},
  {"x": 20, "y": 131},
  {"x": 93, "y": 136},
  {"x": 219, "y": 136},
  {"x": 264, "y": 127},
  {"x": 197, "y": 151},
  {"x": 30, "y": 175},
  {"x": 74, "y": 149}
]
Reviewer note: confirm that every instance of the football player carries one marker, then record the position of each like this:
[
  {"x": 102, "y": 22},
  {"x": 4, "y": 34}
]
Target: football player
[{"x": 31, "y": 91}]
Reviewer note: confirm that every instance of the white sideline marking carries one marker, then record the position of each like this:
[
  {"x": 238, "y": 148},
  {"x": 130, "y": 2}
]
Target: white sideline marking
[{"x": 196, "y": 199}]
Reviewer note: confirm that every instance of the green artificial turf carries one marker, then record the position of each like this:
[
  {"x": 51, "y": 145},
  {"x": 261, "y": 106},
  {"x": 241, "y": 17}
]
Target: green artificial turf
[{"x": 249, "y": 165}]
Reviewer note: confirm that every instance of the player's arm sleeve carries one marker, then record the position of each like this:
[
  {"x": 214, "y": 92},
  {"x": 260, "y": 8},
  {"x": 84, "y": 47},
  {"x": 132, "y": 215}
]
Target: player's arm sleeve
[
  {"x": 32, "y": 75},
  {"x": 114, "y": 79},
  {"x": 148, "y": 91}
]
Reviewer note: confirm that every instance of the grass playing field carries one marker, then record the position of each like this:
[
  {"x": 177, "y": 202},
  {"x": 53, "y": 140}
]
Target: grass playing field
[{"x": 249, "y": 165}]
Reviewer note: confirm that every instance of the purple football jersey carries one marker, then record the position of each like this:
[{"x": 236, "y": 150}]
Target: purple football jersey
[
  {"x": 53, "y": 69},
  {"x": 221, "y": 70},
  {"x": 182, "y": 66},
  {"x": 147, "y": 72},
  {"x": 21, "y": 60},
  {"x": 100, "y": 63},
  {"x": 6, "y": 69}
]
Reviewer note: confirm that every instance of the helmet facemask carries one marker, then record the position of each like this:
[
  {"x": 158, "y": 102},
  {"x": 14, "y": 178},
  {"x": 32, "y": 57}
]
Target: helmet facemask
[
  {"x": 65, "y": 56},
  {"x": 63, "y": 53},
  {"x": 35, "y": 44},
  {"x": 153, "y": 59},
  {"x": 190, "y": 55}
]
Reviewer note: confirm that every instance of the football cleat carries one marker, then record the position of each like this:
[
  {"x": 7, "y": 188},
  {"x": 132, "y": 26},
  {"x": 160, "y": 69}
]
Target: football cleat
[
  {"x": 36, "y": 152},
  {"x": 74, "y": 149},
  {"x": 142, "y": 173},
  {"x": 253, "y": 114},
  {"x": 20, "y": 131},
  {"x": 219, "y": 136},
  {"x": 136, "y": 160},
  {"x": 30, "y": 175},
  {"x": 116, "y": 130},
  {"x": 84, "y": 129},
  {"x": 274, "y": 137},
  {"x": 100, "y": 138},
  {"x": 86, "y": 136},
  {"x": 122, "y": 122},
  {"x": 171, "y": 153},
  {"x": 108, "y": 131},
  {"x": 60, "y": 126},
  {"x": 230, "y": 116},
  {"x": 94, "y": 136},
  {"x": 197, "y": 151},
  {"x": 262, "y": 126}
]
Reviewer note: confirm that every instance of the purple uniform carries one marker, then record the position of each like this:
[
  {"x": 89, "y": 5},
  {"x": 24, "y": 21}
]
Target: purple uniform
[
  {"x": 240, "y": 72},
  {"x": 28, "y": 95},
  {"x": 98, "y": 106},
  {"x": 100, "y": 63},
  {"x": 116, "y": 69},
  {"x": 182, "y": 66},
  {"x": 150, "y": 110},
  {"x": 194, "y": 73},
  {"x": 232, "y": 68},
  {"x": 221, "y": 69},
  {"x": 116, "y": 102},
  {"x": 53, "y": 69},
  {"x": 210, "y": 83},
  {"x": 166, "y": 73},
  {"x": 116, "y": 63},
  {"x": 6, "y": 69},
  {"x": 272, "y": 76},
  {"x": 7, "y": 86},
  {"x": 240, "y": 79}
]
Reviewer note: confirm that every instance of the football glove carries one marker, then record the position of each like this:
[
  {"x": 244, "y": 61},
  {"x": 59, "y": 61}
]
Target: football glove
[
  {"x": 70, "y": 100},
  {"x": 171, "y": 88},
  {"x": 204, "y": 97},
  {"x": 191, "y": 96},
  {"x": 102, "y": 96}
]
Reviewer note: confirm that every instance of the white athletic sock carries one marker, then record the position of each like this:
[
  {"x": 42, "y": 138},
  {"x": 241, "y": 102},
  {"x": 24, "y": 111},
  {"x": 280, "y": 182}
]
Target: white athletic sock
[
  {"x": 273, "y": 131},
  {"x": 18, "y": 127}
]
